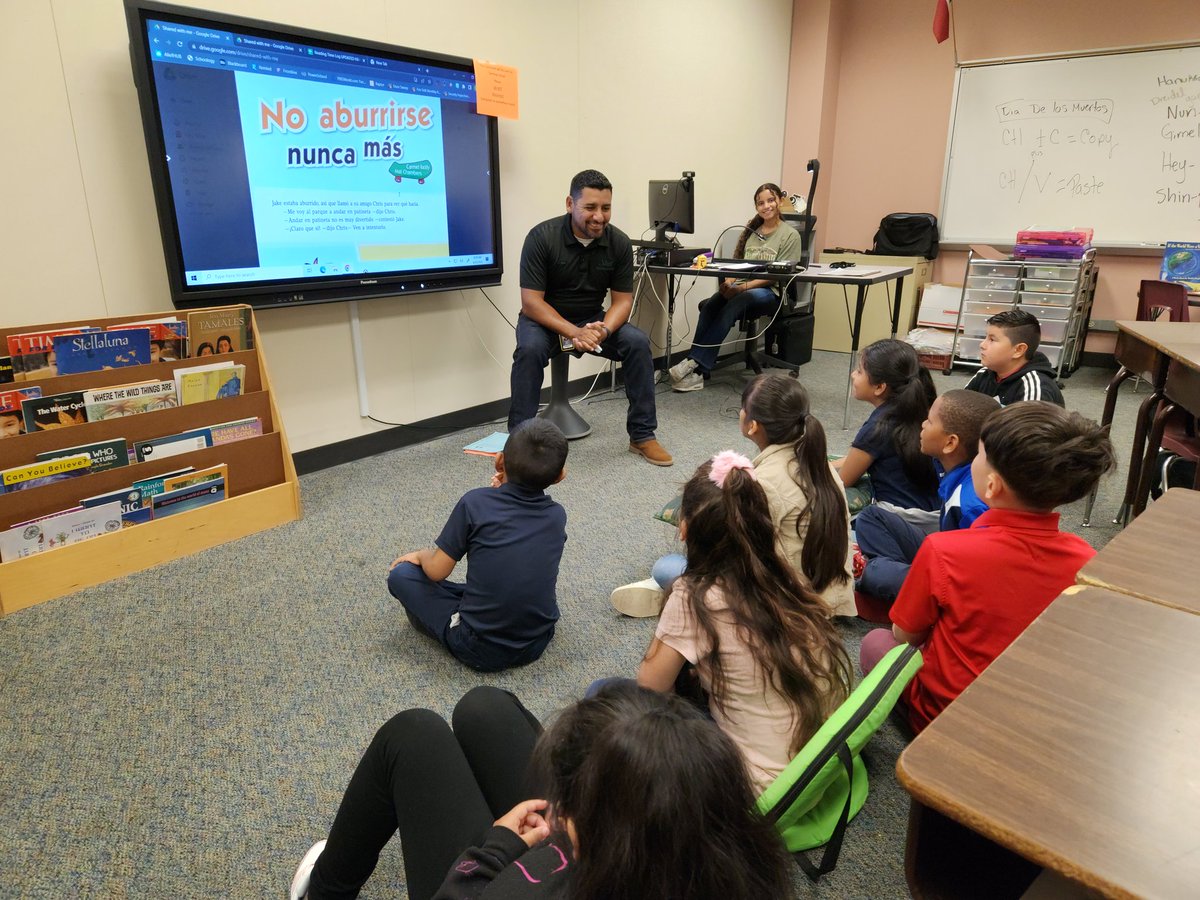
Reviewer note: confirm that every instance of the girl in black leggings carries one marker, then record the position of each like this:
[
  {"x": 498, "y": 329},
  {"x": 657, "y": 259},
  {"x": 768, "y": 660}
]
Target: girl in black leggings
[{"x": 643, "y": 797}]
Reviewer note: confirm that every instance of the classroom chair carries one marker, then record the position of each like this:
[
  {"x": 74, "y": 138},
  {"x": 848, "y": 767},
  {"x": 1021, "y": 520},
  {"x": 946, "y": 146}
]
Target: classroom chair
[
  {"x": 1156, "y": 298},
  {"x": 825, "y": 785}
]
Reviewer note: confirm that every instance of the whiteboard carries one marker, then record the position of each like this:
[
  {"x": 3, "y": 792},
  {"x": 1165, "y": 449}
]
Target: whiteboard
[{"x": 1108, "y": 142}]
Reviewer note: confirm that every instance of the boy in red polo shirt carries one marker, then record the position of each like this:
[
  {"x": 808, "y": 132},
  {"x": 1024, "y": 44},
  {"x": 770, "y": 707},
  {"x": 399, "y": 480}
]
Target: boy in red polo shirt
[{"x": 971, "y": 592}]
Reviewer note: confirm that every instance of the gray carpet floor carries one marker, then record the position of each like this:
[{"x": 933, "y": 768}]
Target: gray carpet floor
[{"x": 188, "y": 731}]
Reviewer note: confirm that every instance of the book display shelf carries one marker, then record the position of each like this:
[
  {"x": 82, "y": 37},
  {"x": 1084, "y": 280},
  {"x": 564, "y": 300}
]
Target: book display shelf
[{"x": 262, "y": 489}]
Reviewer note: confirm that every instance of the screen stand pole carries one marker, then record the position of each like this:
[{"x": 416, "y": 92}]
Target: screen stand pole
[{"x": 360, "y": 369}]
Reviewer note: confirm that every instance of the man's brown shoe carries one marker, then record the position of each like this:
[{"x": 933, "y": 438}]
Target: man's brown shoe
[{"x": 652, "y": 451}]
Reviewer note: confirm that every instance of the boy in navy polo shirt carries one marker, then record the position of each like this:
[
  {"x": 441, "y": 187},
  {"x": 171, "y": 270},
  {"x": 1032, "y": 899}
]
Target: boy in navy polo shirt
[{"x": 513, "y": 536}]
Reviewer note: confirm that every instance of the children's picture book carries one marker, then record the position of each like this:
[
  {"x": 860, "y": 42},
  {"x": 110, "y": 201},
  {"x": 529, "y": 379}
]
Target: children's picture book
[
  {"x": 196, "y": 384},
  {"x": 54, "y": 411},
  {"x": 133, "y": 511},
  {"x": 1181, "y": 264},
  {"x": 168, "y": 337},
  {"x": 129, "y": 399},
  {"x": 31, "y": 475},
  {"x": 191, "y": 497},
  {"x": 172, "y": 444},
  {"x": 96, "y": 350},
  {"x": 153, "y": 485},
  {"x": 12, "y": 417},
  {"x": 492, "y": 445},
  {"x": 110, "y": 454},
  {"x": 237, "y": 430},
  {"x": 214, "y": 331},
  {"x": 32, "y": 353},
  {"x": 188, "y": 479},
  {"x": 59, "y": 529}
]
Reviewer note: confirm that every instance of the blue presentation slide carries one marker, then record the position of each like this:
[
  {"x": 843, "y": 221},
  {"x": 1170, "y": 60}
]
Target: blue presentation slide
[{"x": 343, "y": 179}]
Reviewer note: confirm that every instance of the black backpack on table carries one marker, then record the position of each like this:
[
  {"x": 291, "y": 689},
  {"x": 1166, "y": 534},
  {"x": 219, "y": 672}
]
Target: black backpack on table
[{"x": 907, "y": 234}]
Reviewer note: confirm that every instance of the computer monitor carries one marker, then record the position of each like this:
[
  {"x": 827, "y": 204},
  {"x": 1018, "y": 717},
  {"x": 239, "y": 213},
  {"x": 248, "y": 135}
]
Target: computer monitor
[{"x": 673, "y": 207}]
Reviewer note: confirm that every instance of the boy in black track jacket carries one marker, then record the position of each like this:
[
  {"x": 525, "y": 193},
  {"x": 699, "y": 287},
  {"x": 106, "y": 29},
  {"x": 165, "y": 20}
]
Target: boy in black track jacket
[{"x": 1013, "y": 370}]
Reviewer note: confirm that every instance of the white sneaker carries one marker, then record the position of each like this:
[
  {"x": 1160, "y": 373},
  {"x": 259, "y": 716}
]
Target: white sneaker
[
  {"x": 681, "y": 370},
  {"x": 692, "y": 382},
  {"x": 640, "y": 599},
  {"x": 304, "y": 871}
]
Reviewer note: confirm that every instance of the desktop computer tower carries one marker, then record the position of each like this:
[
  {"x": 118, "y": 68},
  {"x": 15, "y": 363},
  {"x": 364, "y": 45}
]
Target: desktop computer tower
[{"x": 791, "y": 338}]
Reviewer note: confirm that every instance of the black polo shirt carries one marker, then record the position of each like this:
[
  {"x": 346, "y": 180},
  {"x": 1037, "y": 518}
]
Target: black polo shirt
[{"x": 573, "y": 277}]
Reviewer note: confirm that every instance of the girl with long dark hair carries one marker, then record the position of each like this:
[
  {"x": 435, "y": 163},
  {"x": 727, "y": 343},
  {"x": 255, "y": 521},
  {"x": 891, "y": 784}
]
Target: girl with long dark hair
[
  {"x": 888, "y": 446},
  {"x": 640, "y": 796},
  {"x": 758, "y": 640},
  {"x": 805, "y": 496}
]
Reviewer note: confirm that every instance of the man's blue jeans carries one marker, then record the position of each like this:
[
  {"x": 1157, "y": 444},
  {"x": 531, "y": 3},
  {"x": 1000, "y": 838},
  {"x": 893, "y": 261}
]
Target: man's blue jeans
[{"x": 535, "y": 347}]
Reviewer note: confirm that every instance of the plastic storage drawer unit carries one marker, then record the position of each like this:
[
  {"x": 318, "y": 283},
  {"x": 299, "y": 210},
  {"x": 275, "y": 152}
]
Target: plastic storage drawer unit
[
  {"x": 1037, "y": 298},
  {"x": 997, "y": 269},
  {"x": 1053, "y": 272},
  {"x": 1048, "y": 312},
  {"x": 992, "y": 282},
  {"x": 974, "y": 326},
  {"x": 984, "y": 309},
  {"x": 1048, "y": 285}
]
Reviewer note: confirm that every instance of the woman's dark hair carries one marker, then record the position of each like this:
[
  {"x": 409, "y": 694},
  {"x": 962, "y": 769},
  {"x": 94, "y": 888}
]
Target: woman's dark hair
[
  {"x": 780, "y": 406},
  {"x": 226, "y": 339},
  {"x": 756, "y": 223},
  {"x": 731, "y": 546},
  {"x": 910, "y": 394},
  {"x": 206, "y": 345},
  {"x": 660, "y": 801}
]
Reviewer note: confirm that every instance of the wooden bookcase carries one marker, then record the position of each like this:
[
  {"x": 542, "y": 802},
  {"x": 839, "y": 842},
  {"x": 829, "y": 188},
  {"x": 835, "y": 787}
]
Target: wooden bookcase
[{"x": 262, "y": 490}]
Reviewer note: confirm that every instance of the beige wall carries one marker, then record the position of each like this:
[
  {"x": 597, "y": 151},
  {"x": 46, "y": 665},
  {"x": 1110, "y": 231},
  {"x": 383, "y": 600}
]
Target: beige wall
[
  {"x": 625, "y": 86},
  {"x": 886, "y": 119}
]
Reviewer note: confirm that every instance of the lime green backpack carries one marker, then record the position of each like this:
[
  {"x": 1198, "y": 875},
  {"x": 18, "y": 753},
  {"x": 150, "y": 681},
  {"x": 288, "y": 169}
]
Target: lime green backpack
[{"x": 825, "y": 784}]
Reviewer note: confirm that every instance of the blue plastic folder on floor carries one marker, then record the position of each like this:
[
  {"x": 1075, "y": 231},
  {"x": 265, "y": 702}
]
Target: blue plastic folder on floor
[{"x": 488, "y": 446}]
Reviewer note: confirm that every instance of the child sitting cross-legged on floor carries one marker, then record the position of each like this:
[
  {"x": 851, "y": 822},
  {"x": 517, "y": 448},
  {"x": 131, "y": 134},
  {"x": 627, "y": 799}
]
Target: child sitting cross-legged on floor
[
  {"x": 887, "y": 542},
  {"x": 804, "y": 495},
  {"x": 971, "y": 592},
  {"x": 890, "y": 378},
  {"x": 513, "y": 536}
]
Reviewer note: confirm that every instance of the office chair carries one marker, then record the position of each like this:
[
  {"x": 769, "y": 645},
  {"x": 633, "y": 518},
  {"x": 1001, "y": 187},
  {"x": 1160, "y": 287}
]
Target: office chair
[
  {"x": 795, "y": 303},
  {"x": 763, "y": 338}
]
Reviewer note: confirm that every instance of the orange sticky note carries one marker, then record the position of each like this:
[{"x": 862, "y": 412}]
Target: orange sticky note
[{"x": 495, "y": 90}]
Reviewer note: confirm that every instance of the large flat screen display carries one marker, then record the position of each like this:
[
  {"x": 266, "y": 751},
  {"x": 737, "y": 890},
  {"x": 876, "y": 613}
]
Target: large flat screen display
[{"x": 294, "y": 167}]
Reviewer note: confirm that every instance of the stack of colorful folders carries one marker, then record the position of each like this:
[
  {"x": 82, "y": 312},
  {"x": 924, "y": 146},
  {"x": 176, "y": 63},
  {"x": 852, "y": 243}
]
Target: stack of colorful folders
[{"x": 1070, "y": 244}]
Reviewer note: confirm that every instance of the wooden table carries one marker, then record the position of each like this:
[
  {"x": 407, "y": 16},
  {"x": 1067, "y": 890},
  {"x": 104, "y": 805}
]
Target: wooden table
[
  {"x": 1181, "y": 390},
  {"x": 1075, "y": 749},
  {"x": 1145, "y": 349},
  {"x": 1153, "y": 557}
]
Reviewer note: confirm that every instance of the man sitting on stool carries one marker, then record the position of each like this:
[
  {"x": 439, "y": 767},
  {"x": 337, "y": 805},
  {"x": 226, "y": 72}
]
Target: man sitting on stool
[{"x": 568, "y": 264}]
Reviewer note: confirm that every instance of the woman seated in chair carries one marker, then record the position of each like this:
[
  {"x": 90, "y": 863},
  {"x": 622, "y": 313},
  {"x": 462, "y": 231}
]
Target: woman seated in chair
[{"x": 766, "y": 237}]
